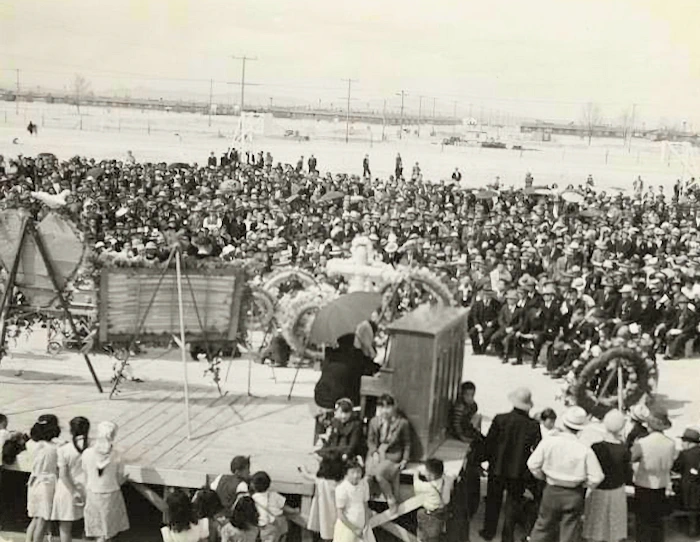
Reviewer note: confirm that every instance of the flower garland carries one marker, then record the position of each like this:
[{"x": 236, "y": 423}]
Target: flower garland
[{"x": 595, "y": 372}]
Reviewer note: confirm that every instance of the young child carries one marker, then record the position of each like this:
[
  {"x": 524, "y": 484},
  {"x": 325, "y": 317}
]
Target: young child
[
  {"x": 351, "y": 501},
  {"x": 322, "y": 516},
  {"x": 466, "y": 422},
  {"x": 688, "y": 466},
  {"x": 271, "y": 508},
  {"x": 243, "y": 524},
  {"x": 228, "y": 486},
  {"x": 548, "y": 420},
  {"x": 434, "y": 488}
]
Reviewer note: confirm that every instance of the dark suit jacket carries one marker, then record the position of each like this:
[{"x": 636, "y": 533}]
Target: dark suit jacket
[
  {"x": 628, "y": 311},
  {"x": 484, "y": 313},
  {"x": 509, "y": 443},
  {"x": 508, "y": 318},
  {"x": 608, "y": 305},
  {"x": 397, "y": 446},
  {"x": 345, "y": 438}
]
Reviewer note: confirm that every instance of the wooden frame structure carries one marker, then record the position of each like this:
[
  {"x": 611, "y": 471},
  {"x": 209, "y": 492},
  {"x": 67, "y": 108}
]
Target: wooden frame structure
[{"x": 28, "y": 230}]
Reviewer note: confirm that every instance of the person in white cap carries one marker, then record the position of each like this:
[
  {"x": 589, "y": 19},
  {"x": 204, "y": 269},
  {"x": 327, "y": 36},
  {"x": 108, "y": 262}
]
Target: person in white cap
[
  {"x": 606, "y": 506},
  {"x": 568, "y": 466}
]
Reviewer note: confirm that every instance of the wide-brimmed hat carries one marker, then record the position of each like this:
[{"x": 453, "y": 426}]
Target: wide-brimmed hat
[
  {"x": 391, "y": 247},
  {"x": 512, "y": 294},
  {"x": 626, "y": 289},
  {"x": 691, "y": 435},
  {"x": 521, "y": 398},
  {"x": 658, "y": 419},
  {"x": 575, "y": 418}
]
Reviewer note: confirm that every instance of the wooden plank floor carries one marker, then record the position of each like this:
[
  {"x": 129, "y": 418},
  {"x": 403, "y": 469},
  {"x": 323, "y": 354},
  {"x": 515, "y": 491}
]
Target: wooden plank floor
[{"x": 276, "y": 432}]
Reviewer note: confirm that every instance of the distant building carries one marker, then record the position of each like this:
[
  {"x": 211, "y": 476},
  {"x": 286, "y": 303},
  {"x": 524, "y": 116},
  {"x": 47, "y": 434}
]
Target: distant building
[{"x": 570, "y": 129}]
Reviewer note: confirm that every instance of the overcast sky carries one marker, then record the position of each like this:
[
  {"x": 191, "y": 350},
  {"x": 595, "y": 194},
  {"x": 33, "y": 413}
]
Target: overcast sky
[{"x": 539, "y": 58}]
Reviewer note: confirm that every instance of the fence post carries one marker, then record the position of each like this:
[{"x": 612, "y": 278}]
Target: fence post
[
  {"x": 81, "y": 122},
  {"x": 606, "y": 155},
  {"x": 149, "y": 126}
]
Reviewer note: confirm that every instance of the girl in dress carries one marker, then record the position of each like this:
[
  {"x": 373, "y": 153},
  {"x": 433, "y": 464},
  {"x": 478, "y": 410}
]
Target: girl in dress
[
  {"x": 605, "y": 517},
  {"x": 322, "y": 516},
  {"x": 183, "y": 526},
  {"x": 70, "y": 491},
  {"x": 351, "y": 500},
  {"x": 42, "y": 480},
  {"x": 243, "y": 524},
  {"x": 105, "y": 510}
]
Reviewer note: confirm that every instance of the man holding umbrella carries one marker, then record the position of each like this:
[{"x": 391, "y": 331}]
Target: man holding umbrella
[{"x": 346, "y": 327}]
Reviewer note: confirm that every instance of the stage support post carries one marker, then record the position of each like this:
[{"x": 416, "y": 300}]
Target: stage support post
[
  {"x": 9, "y": 288},
  {"x": 62, "y": 300},
  {"x": 183, "y": 351}
]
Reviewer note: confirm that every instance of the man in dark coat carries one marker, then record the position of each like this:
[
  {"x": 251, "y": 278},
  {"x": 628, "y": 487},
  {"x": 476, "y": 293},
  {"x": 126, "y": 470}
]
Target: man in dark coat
[
  {"x": 683, "y": 328},
  {"x": 483, "y": 320},
  {"x": 508, "y": 324},
  {"x": 511, "y": 439}
]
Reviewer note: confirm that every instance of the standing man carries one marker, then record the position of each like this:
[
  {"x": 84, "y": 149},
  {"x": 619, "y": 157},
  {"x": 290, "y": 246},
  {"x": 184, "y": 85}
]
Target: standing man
[
  {"x": 312, "y": 164},
  {"x": 398, "y": 170},
  {"x": 654, "y": 455},
  {"x": 366, "y": 173},
  {"x": 511, "y": 439},
  {"x": 569, "y": 467}
]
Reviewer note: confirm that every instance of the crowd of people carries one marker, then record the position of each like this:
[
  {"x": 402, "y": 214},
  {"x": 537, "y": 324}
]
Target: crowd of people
[
  {"x": 532, "y": 262},
  {"x": 545, "y": 272},
  {"x": 563, "y": 478}
]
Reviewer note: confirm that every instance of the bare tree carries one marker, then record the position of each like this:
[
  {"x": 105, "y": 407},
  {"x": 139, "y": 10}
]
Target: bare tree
[
  {"x": 590, "y": 118},
  {"x": 81, "y": 90}
]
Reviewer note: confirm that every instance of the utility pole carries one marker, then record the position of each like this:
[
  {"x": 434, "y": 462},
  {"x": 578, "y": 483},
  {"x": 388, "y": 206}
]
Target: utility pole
[
  {"x": 403, "y": 95},
  {"x": 454, "y": 116},
  {"x": 634, "y": 111},
  {"x": 434, "y": 100},
  {"x": 383, "y": 119},
  {"x": 17, "y": 98},
  {"x": 420, "y": 111},
  {"x": 211, "y": 93},
  {"x": 243, "y": 60},
  {"x": 347, "y": 110}
]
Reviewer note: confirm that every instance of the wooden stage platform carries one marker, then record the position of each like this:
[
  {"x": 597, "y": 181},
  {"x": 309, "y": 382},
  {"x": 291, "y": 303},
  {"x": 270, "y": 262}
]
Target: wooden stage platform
[{"x": 276, "y": 432}]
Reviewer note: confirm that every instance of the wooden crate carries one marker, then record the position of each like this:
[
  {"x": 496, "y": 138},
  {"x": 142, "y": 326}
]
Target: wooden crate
[
  {"x": 215, "y": 299},
  {"x": 424, "y": 371}
]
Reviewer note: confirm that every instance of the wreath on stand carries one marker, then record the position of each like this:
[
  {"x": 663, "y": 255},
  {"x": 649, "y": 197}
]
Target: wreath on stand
[{"x": 616, "y": 369}]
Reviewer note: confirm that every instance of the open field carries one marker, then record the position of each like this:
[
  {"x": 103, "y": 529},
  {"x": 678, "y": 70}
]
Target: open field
[{"x": 164, "y": 136}]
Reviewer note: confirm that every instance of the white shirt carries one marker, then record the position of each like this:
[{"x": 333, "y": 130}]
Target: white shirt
[
  {"x": 352, "y": 501},
  {"x": 563, "y": 461},
  {"x": 195, "y": 533},
  {"x": 270, "y": 506}
]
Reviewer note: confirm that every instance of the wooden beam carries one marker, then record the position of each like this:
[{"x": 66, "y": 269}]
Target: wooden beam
[
  {"x": 399, "y": 532},
  {"x": 151, "y": 496},
  {"x": 404, "y": 508}
]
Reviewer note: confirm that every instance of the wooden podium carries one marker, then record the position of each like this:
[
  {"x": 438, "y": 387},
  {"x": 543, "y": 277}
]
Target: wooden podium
[{"x": 423, "y": 371}]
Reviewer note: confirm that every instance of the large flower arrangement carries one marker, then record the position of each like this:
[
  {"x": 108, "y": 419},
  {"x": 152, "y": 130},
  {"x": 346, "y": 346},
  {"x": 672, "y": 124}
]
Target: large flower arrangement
[{"x": 592, "y": 382}]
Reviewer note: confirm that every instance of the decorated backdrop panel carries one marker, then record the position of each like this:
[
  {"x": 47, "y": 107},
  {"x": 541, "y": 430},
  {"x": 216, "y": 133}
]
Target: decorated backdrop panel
[
  {"x": 64, "y": 249},
  {"x": 125, "y": 294}
]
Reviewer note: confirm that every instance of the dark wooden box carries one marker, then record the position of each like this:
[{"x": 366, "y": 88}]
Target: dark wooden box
[{"x": 424, "y": 371}]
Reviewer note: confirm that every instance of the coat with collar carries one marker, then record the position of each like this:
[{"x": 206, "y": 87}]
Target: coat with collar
[
  {"x": 511, "y": 439},
  {"x": 397, "y": 446}
]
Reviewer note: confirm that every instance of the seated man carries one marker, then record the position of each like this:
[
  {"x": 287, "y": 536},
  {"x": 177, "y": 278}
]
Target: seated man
[
  {"x": 483, "y": 320},
  {"x": 389, "y": 447},
  {"x": 683, "y": 328},
  {"x": 539, "y": 325},
  {"x": 509, "y": 317}
]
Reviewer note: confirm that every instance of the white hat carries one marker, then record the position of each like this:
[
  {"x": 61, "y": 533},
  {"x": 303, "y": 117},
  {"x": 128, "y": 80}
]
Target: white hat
[{"x": 575, "y": 418}]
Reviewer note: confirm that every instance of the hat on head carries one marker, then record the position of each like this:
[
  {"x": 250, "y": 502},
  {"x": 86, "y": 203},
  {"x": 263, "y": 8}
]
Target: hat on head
[
  {"x": 626, "y": 289},
  {"x": 575, "y": 418},
  {"x": 691, "y": 435},
  {"x": 521, "y": 398},
  {"x": 512, "y": 294},
  {"x": 391, "y": 247},
  {"x": 639, "y": 412},
  {"x": 658, "y": 419},
  {"x": 614, "y": 422},
  {"x": 549, "y": 289}
]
